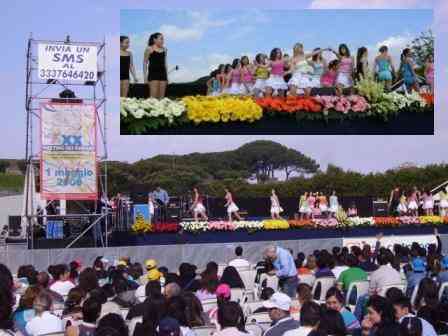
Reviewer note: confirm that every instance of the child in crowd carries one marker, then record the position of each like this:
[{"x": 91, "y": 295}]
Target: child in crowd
[
  {"x": 247, "y": 79},
  {"x": 429, "y": 72},
  {"x": 407, "y": 70},
  {"x": 362, "y": 63},
  {"x": 384, "y": 68},
  {"x": 261, "y": 74},
  {"x": 328, "y": 78},
  {"x": 276, "y": 84}
]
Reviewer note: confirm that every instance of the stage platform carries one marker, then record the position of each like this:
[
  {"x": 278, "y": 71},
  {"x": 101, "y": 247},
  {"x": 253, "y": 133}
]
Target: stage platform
[{"x": 171, "y": 249}]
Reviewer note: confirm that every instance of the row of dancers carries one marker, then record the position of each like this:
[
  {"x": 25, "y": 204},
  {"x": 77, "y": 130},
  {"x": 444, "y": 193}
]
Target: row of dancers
[
  {"x": 282, "y": 75},
  {"x": 410, "y": 203},
  {"x": 278, "y": 74}
]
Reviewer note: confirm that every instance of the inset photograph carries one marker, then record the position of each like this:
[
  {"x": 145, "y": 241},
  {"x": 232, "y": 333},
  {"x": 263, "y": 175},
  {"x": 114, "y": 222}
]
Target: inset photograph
[{"x": 277, "y": 72}]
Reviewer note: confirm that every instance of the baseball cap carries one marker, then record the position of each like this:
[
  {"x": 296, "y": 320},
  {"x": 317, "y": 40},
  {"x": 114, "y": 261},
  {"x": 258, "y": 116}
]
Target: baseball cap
[
  {"x": 445, "y": 262},
  {"x": 150, "y": 263},
  {"x": 223, "y": 290},
  {"x": 418, "y": 265},
  {"x": 169, "y": 327},
  {"x": 278, "y": 300}
]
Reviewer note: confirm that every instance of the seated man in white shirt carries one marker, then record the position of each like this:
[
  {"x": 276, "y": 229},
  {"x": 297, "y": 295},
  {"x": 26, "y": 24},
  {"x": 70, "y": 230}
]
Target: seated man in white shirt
[
  {"x": 239, "y": 261},
  {"x": 402, "y": 307},
  {"x": 43, "y": 322},
  {"x": 61, "y": 285},
  {"x": 385, "y": 275}
]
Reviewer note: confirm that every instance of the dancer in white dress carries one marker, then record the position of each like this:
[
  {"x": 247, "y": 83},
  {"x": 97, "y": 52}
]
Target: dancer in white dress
[
  {"x": 304, "y": 208},
  {"x": 428, "y": 203},
  {"x": 402, "y": 206},
  {"x": 232, "y": 208},
  {"x": 334, "y": 204},
  {"x": 276, "y": 209},
  {"x": 198, "y": 206},
  {"x": 443, "y": 205}
]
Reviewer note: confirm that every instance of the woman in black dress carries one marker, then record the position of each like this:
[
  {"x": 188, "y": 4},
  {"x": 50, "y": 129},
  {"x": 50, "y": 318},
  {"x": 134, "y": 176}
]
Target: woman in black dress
[
  {"x": 126, "y": 66},
  {"x": 155, "y": 67}
]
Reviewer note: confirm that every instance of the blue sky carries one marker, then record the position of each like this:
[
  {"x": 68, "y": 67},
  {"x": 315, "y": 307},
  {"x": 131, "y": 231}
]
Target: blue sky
[
  {"x": 96, "y": 19},
  {"x": 199, "y": 40}
]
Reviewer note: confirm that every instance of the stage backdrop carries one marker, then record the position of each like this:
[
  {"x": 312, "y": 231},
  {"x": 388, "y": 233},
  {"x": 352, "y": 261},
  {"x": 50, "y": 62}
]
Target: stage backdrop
[
  {"x": 68, "y": 151},
  {"x": 67, "y": 62}
]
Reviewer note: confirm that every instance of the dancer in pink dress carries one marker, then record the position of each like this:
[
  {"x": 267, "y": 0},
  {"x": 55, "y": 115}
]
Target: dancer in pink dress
[
  {"x": 276, "y": 84},
  {"x": 198, "y": 207},
  {"x": 429, "y": 72}
]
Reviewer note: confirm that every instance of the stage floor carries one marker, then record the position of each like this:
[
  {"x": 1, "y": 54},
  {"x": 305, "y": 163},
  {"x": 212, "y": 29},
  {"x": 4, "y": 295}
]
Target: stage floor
[{"x": 218, "y": 237}]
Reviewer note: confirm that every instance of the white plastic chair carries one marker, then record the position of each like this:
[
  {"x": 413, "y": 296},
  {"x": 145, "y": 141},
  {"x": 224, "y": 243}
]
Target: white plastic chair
[
  {"x": 254, "y": 329},
  {"x": 237, "y": 295},
  {"x": 209, "y": 304},
  {"x": 362, "y": 288},
  {"x": 248, "y": 278},
  {"x": 384, "y": 289},
  {"x": 250, "y": 307},
  {"x": 307, "y": 279},
  {"x": 221, "y": 268},
  {"x": 204, "y": 331},
  {"x": 132, "y": 323},
  {"x": 271, "y": 281},
  {"x": 325, "y": 284},
  {"x": 259, "y": 318},
  {"x": 414, "y": 294},
  {"x": 443, "y": 287},
  {"x": 124, "y": 312}
]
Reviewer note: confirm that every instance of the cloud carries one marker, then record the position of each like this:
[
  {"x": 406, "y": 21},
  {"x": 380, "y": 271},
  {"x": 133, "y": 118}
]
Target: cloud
[
  {"x": 242, "y": 32},
  {"x": 369, "y": 4},
  {"x": 175, "y": 33}
]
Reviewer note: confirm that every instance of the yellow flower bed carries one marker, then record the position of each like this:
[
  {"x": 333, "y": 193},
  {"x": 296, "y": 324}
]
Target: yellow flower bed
[
  {"x": 140, "y": 225},
  {"x": 222, "y": 109},
  {"x": 275, "y": 224},
  {"x": 431, "y": 220}
]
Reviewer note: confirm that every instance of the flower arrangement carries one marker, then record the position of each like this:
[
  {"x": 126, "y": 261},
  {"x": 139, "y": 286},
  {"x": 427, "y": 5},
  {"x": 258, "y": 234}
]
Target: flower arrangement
[
  {"x": 429, "y": 98},
  {"x": 353, "y": 103},
  {"x": 360, "y": 221},
  {"x": 409, "y": 220},
  {"x": 194, "y": 227},
  {"x": 326, "y": 223},
  {"x": 369, "y": 88},
  {"x": 386, "y": 221},
  {"x": 165, "y": 227},
  {"x": 221, "y": 109},
  {"x": 290, "y": 104},
  {"x": 275, "y": 224},
  {"x": 140, "y": 115},
  {"x": 435, "y": 220},
  {"x": 301, "y": 223},
  {"x": 221, "y": 226},
  {"x": 140, "y": 225}
]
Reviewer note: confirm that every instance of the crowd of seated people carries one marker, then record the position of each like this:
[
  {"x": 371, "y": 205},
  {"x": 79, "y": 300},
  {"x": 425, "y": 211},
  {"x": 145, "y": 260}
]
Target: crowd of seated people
[{"x": 130, "y": 298}]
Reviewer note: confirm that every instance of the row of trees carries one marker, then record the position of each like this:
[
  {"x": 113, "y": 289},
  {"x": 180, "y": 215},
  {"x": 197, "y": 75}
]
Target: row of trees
[{"x": 255, "y": 168}]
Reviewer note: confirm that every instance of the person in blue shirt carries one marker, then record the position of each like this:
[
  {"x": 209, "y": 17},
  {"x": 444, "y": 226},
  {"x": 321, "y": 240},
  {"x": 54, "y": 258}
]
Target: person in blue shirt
[
  {"x": 284, "y": 268},
  {"x": 415, "y": 275},
  {"x": 161, "y": 195},
  {"x": 443, "y": 274}
]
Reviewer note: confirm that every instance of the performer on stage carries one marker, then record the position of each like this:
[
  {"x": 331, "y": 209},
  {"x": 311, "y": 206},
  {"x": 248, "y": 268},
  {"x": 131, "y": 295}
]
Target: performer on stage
[
  {"x": 413, "y": 202},
  {"x": 311, "y": 203},
  {"x": 402, "y": 206},
  {"x": 126, "y": 66},
  {"x": 155, "y": 66},
  {"x": 428, "y": 203},
  {"x": 198, "y": 207},
  {"x": 232, "y": 208},
  {"x": 323, "y": 205},
  {"x": 151, "y": 207},
  {"x": 162, "y": 199},
  {"x": 443, "y": 205},
  {"x": 304, "y": 208},
  {"x": 334, "y": 203},
  {"x": 394, "y": 200},
  {"x": 276, "y": 209}
]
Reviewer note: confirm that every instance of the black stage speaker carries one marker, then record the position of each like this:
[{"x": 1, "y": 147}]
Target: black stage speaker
[
  {"x": 14, "y": 226},
  {"x": 380, "y": 208},
  {"x": 173, "y": 213}
]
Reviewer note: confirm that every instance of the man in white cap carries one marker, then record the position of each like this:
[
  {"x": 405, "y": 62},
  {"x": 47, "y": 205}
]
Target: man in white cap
[
  {"x": 278, "y": 308},
  {"x": 284, "y": 268}
]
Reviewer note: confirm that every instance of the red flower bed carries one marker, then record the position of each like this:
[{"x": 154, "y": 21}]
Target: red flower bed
[
  {"x": 387, "y": 221},
  {"x": 289, "y": 104},
  {"x": 301, "y": 223},
  {"x": 165, "y": 227},
  {"x": 429, "y": 98}
]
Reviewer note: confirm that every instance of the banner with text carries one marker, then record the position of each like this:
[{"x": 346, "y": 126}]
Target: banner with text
[
  {"x": 70, "y": 176},
  {"x": 68, "y": 127},
  {"x": 67, "y": 62},
  {"x": 389, "y": 241}
]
